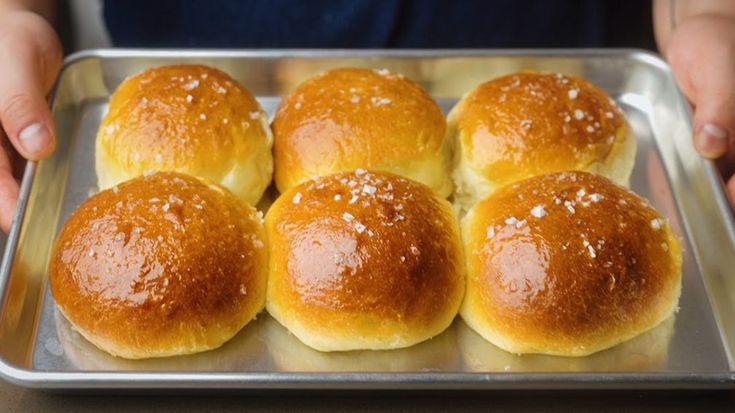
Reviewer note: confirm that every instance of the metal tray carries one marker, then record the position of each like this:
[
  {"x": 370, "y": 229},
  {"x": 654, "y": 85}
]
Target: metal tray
[{"x": 693, "y": 349}]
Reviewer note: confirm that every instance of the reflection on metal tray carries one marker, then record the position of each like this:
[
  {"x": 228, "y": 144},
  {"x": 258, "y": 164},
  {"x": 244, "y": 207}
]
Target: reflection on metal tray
[{"x": 38, "y": 347}]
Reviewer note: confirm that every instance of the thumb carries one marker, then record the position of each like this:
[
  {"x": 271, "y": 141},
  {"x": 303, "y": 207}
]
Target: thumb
[
  {"x": 703, "y": 61},
  {"x": 29, "y": 60}
]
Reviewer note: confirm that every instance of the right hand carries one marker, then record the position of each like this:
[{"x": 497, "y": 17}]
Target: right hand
[{"x": 30, "y": 58}]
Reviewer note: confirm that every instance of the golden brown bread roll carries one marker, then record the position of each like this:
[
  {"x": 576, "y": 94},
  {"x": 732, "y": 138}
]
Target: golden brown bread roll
[
  {"x": 363, "y": 260},
  {"x": 160, "y": 265},
  {"x": 350, "y": 118},
  {"x": 531, "y": 123},
  {"x": 186, "y": 118},
  {"x": 567, "y": 264}
]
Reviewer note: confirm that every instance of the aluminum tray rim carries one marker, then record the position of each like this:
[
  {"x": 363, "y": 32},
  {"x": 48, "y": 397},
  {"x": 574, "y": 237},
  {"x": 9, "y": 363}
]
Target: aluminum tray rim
[{"x": 358, "y": 380}]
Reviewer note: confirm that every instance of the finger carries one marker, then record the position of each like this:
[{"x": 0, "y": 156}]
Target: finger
[
  {"x": 8, "y": 192},
  {"x": 703, "y": 61},
  {"x": 29, "y": 60}
]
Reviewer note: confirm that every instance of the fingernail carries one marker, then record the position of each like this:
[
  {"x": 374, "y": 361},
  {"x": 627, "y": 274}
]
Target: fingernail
[
  {"x": 35, "y": 138},
  {"x": 711, "y": 140}
]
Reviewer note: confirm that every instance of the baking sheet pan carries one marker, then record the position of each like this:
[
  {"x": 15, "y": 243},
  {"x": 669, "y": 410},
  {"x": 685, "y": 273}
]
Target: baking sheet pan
[{"x": 694, "y": 349}]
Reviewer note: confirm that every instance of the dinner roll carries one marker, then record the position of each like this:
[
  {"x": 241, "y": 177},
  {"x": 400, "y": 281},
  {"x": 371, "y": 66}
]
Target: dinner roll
[
  {"x": 159, "y": 266},
  {"x": 186, "y": 118},
  {"x": 531, "y": 123},
  {"x": 567, "y": 264},
  {"x": 350, "y": 118},
  {"x": 363, "y": 260}
]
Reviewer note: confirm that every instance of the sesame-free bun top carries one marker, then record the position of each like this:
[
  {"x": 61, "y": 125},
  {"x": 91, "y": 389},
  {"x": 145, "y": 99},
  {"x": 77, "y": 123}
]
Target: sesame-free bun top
[
  {"x": 531, "y": 123},
  {"x": 567, "y": 264},
  {"x": 363, "y": 260},
  {"x": 186, "y": 118},
  {"x": 159, "y": 266},
  {"x": 352, "y": 118}
]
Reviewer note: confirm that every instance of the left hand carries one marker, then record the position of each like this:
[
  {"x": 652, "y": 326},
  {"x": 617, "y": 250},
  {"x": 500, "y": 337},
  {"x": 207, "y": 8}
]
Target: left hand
[{"x": 701, "y": 52}]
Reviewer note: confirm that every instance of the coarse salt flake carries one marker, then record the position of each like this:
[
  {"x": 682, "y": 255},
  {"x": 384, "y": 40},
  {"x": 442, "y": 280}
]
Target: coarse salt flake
[
  {"x": 573, "y": 93},
  {"x": 296, "y": 198},
  {"x": 380, "y": 101},
  {"x": 656, "y": 223},
  {"x": 490, "y": 232},
  {"x": 347, "y": 217},
  {"x": 578, "y": 114},
  {"x": 538, "y": 211},
  {"x": 592, "y": 252},
  {"x": 194, "y": 83}
]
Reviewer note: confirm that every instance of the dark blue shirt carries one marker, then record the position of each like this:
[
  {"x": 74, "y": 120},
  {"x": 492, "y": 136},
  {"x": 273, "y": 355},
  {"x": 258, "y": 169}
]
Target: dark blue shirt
[{"x": 376, "y": 23}]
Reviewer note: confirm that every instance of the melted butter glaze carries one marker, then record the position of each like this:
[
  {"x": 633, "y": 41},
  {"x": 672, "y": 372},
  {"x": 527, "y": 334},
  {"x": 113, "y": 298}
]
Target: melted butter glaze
[
  {"x": 531, "y": 123},
  {"x": 568, "y": 254},
  {"x": 349, "y": 118},
  {"x": 365, "y": 243},
  {"x": 158, "y": 255}
]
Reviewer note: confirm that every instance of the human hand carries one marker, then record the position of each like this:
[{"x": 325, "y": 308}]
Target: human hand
[
  {"x": 701, "y": 52},
  {"x": 30, "y": 58}
]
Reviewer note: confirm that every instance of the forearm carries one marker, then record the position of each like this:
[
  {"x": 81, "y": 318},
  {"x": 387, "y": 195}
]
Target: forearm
[
  {"x": 45, "y": 8},
  {"x": 670, "y": 14}
]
